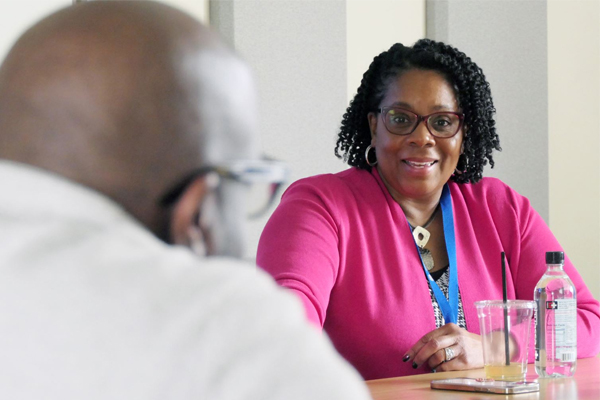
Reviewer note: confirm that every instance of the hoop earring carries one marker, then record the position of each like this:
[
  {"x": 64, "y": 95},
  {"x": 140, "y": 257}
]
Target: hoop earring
[
  {"x": 461, "y": 164},
  {"x": 367, "y": 157}
]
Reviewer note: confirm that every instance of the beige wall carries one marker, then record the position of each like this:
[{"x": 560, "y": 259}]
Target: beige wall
[
  {"x": 574, "y": 132},
  {"x": 373, "y": 26}
]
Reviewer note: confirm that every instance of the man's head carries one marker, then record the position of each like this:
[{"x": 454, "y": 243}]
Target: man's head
[{"x": 128, "y": 98}]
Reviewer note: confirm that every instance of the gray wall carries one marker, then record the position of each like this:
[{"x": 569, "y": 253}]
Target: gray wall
[
  {"x": 508, "y": 40},
  {"x": 298, "y": 52}
]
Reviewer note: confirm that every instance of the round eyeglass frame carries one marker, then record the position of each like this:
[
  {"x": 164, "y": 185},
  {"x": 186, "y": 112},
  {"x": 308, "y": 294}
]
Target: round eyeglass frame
[{"x": 421, "y": 118}]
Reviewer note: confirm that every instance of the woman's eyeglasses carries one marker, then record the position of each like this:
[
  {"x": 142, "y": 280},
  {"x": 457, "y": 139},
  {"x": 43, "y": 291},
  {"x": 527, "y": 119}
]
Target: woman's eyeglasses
[{"x": 399, "y": 121}]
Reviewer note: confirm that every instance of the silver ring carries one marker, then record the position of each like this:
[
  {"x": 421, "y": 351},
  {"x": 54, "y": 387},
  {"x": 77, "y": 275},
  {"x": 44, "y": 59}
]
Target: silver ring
[{"x": 449, "y": 354}]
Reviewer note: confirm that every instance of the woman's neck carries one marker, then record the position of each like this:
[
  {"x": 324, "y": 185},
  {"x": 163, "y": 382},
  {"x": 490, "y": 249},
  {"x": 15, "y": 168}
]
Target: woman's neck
[{"x": 418, "y": 210}]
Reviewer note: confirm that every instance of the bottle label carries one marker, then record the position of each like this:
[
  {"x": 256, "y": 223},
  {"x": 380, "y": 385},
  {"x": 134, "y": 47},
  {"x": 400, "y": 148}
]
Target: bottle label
[{"x": 565, "y": 328}]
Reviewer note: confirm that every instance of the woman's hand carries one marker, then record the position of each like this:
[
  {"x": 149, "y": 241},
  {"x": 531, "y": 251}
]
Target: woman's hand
[{"x": 430, "y": 350}]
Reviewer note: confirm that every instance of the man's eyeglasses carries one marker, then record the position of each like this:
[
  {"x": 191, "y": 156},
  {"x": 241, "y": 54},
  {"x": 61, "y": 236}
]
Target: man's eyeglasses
[
  {"x": 262, "y": 179},
  {"x": 399, "y": 121}
]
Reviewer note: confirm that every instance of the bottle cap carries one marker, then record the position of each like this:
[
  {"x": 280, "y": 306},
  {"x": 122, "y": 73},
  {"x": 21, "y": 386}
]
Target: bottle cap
[{"x": 555, "y": 257}]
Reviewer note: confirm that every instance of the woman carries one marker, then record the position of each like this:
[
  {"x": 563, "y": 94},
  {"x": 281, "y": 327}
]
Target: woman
[{"x": 389, "y": 257}]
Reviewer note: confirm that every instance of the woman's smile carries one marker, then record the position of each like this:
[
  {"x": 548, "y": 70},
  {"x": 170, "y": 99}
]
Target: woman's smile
[{"x": 416, "y": 164}]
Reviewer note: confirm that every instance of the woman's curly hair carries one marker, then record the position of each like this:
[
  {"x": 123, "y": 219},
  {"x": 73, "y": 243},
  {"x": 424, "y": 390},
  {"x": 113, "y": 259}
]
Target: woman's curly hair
[{"x": 473, "y": 96}]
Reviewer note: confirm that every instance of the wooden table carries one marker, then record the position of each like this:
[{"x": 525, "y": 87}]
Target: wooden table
[{"x": 585, "y": 385}]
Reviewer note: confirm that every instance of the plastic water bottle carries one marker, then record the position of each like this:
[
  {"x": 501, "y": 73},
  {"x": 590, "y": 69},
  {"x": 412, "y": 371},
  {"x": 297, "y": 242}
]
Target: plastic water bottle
[{"x": 555, "y": 321}]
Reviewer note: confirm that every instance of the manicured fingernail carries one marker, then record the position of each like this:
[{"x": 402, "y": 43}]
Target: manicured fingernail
[
  {"x": 406, "y": 358},
  {"x": 415, "y": 366}
]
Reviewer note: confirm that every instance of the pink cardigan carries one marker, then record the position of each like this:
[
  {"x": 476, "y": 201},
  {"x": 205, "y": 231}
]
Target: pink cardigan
[{"x": 343, "y": 245}]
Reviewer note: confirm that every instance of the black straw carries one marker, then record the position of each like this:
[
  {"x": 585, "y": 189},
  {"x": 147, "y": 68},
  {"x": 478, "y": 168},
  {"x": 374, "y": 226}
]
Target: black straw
[{"x": 506, "y": 352}]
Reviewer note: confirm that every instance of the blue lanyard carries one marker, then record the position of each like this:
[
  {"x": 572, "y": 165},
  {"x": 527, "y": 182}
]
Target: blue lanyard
[{"x": 449, "y": 307}]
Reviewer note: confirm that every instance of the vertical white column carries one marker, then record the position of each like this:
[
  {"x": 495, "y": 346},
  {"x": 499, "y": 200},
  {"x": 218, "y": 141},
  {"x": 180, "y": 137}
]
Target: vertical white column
[
  {"x": 196, "y": 8},
  {"x": 574, "y": 132}
]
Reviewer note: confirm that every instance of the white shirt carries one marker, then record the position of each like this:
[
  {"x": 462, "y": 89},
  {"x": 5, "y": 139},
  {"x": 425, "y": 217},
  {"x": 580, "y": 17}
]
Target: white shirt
[{"x": 93, "y": 306}]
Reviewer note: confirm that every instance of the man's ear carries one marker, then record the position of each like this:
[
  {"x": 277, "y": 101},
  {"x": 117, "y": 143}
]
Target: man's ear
[
  {"x": 372, "y": 126},
  {"x": 184, "y": 217}
]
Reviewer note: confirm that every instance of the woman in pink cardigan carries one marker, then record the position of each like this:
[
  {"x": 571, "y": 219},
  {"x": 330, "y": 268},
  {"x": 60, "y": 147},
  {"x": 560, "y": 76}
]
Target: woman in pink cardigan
[{"x": 389, "y": 257}]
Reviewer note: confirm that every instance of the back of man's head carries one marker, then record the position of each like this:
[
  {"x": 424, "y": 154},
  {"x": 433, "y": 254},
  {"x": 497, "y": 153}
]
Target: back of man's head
[
  {"x": 138, "y": 102},
  {"x": 125, "y": 98}
]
